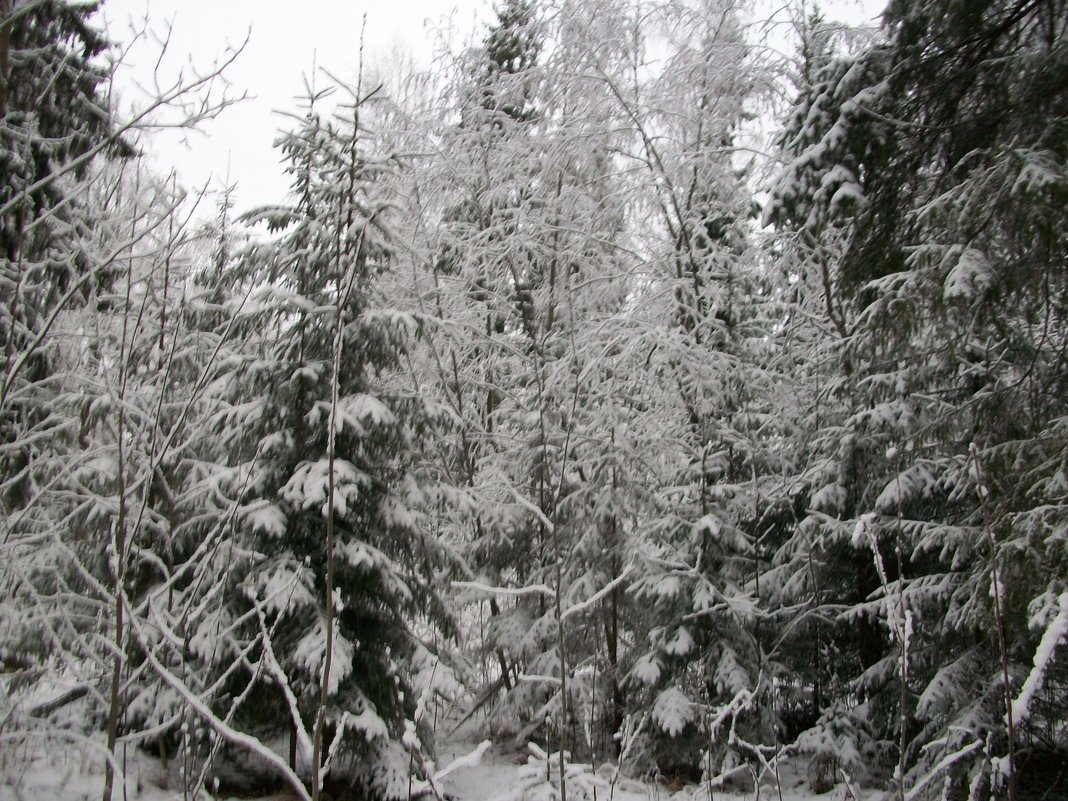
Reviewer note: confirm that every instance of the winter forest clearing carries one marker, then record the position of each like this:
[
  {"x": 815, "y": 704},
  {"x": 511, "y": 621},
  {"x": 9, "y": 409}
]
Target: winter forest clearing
[{"x": 684, "y": 417}]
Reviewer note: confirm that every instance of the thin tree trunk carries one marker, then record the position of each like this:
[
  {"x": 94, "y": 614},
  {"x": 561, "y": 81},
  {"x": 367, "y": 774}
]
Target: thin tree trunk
[
  {"x": 5, "y": 49},
  {"x": 347, "y": 260},
  {"x": 501, "y": 660},
  {"x": 119, "y": 555},
  {"x": 999, "y": 624}
]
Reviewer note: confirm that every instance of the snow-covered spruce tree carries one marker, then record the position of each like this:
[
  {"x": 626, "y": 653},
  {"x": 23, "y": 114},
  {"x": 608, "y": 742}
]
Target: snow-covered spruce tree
[
  {"x": 589, "y": 442},
  {"x": 54, "y": 117},
  {"x": 811, "y": 575},
  {"x": 488, "y": 170},
  {"x": 483, "y": 152},
  {"x": 40, "y": 261},
  {"x": 696, "y": 664},
  {"x": 106, "y": 549},
  {"x": 939, "y": 158},
  {"x": 64, "y": 243},
  {"x": 327, "y": 246},
  {"x": 134, "y": 384},
  {"x": 183, "y": 558},
  {"x": 460, "y": 197},
  {"x": 526, "y": 275}
]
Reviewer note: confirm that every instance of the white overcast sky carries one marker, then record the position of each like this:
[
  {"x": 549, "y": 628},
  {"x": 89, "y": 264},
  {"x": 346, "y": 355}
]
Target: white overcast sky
[{"x": 285, "y": 38}]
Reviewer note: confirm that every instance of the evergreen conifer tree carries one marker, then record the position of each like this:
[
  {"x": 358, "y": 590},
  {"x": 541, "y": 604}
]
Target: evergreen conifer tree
[
  {"x": 920, "y": 155},
  {"x": 328, "y": 246}
]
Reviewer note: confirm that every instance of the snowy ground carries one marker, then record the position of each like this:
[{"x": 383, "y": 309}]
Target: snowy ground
[
  {"x": 44, "y": 768},
  {"x": 499, "y": 776}
]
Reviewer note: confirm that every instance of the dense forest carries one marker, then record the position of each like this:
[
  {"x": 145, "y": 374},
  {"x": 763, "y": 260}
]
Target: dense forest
[{"x": 651, "y": 395}]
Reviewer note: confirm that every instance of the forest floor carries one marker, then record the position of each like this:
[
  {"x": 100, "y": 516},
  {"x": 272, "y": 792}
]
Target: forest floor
[
  {"x": 45, "y": 767},
  {"x": 501, "y": 775}
]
